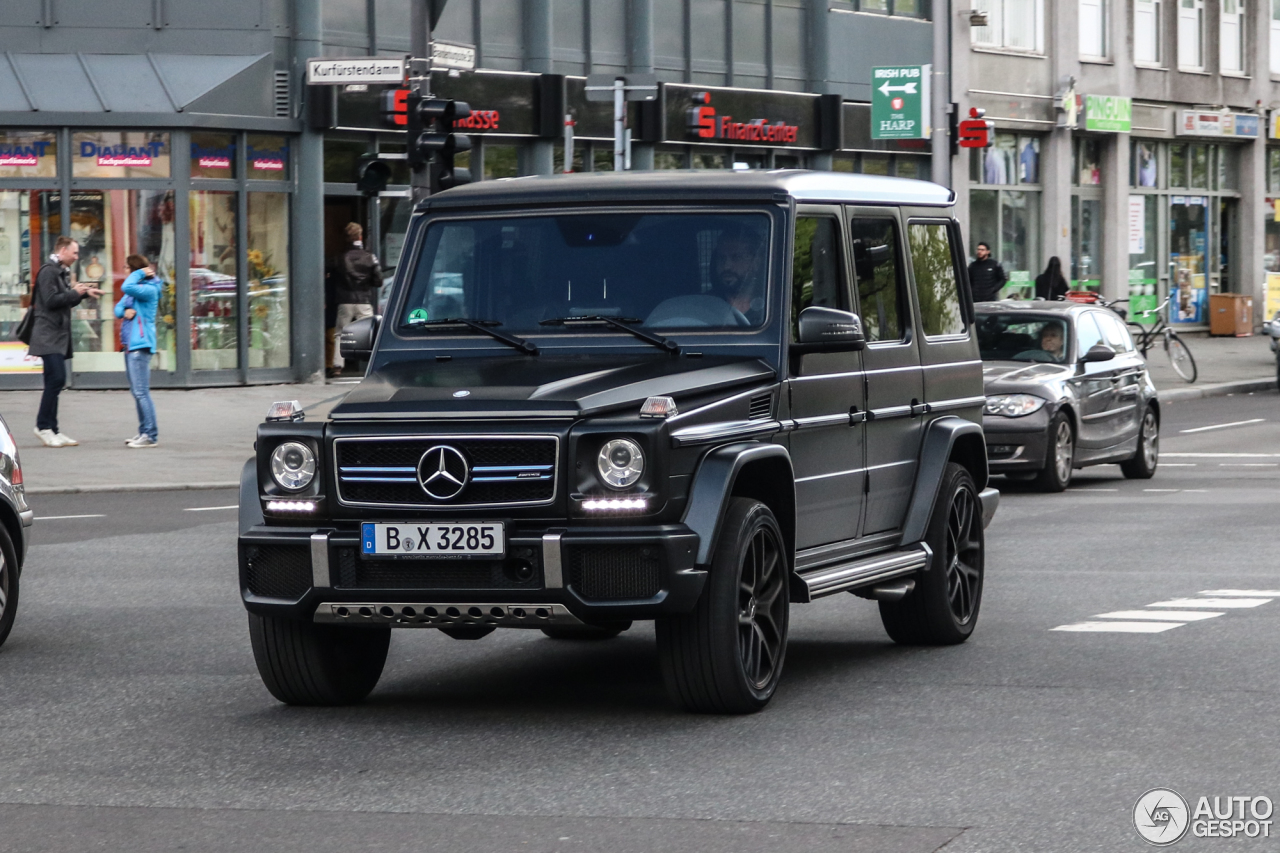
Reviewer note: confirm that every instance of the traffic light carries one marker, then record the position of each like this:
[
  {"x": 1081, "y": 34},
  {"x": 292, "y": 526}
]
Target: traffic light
[
  {"x": 432, "y": 142},
  {"x": 372, "y": 174}
]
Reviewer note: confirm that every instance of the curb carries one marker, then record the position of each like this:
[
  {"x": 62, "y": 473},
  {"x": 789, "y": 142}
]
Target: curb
[
  {"x": 128, "y": 487},
  {"x": 1220, "y": 389}
]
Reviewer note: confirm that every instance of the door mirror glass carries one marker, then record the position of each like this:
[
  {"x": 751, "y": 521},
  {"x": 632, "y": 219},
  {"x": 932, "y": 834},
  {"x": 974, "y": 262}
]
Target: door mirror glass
[
  {"x": 1098, "y": 352},
  {"x": 356, "y": 340},
  {"x": 830, "y": 329}
]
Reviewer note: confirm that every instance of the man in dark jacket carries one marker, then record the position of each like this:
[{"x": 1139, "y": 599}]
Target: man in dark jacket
[
  {"x": 359, "y": 276},
  {"x": 986, "y": 276},
  {"x": 52, "y": 301}
]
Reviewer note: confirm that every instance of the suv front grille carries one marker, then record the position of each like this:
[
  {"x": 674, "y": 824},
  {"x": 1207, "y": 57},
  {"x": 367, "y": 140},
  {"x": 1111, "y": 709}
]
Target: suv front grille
[
  {"x": 615, "y": 572},
  {"x": 503, "y": 470},
  {"x": 521, "y": 569},
  {"x": 277, "y": 571}
]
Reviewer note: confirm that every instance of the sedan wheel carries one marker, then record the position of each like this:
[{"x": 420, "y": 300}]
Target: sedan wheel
[
  {"x": 1143, "y": 464},
  {"x": 1060, "y": 460}
]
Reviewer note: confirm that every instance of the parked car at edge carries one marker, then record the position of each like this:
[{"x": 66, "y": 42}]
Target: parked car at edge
[
  {"x": 15, "y": 518},
  {"x": 688, "y": 398},
  {"x": 1065, "y": 388}
]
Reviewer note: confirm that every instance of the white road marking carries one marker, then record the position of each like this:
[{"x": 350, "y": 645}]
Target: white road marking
[
  {"x": 1241, "y": 592},
  {"x": 1179, "y": 464},
  {"x": 1119, "y": 627},
  {"x": 208, "y": 508},
  {"x": 1162, "y": 490},
  {"x": 1223, "y": 426},
  {"x": 1211, "y": 603},
  {"x": 1248, "y": 464},
  {"x": 1165, "y": 454},
  {"x": 1095, "y": 490},
  {"x": 61, "y": 517},
  {"x": 1160, "y": 615},
  {"x": 1202, "y": 491}
]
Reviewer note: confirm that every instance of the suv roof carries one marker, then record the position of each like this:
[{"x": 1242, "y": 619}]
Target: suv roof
[{"x": 701, "y": 186}]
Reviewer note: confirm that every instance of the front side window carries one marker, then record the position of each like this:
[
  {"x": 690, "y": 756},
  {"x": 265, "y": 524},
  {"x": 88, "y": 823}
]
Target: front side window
[
  {"x": 704, "y": 271},
  {"x": 1093, "y": 28},
  {"x": 881, "y": 299},
  {"x": 1114, "y": 332},
  {"x": 1146, "y": 31},
  {"x": 1019, "y": 337},
  {"x": 1190, "y": 35},
  {"x": 816, "y": 278},
  {"x": 933, "y": 262},
  {"x": 1012, "y": 24},
  {"x": 1231, "y": 36}
]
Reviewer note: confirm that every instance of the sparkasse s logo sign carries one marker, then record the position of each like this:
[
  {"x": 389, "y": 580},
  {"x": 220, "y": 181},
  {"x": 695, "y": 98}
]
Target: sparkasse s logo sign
[{"x": 703, "y": 123}]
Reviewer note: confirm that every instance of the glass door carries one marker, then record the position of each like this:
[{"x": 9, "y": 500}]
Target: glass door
[{"x": 1188, "y": 242}]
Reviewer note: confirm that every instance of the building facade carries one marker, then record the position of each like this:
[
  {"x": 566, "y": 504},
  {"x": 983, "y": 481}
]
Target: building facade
[{"x": 1133, "y": 141}]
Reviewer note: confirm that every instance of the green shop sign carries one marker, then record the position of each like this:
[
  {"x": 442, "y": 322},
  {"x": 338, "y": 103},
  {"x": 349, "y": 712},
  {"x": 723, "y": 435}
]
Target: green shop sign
[
  {"x": 900, "y": 102},
  {"x": 1110, "y": 113}
]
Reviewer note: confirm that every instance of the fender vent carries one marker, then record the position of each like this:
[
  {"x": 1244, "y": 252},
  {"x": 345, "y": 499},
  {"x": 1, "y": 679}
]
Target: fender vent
[{"x": 761, "y": 406}]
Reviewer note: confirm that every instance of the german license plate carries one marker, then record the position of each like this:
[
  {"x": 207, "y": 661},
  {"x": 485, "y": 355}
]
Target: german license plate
[{"x": 433, "y": 540}]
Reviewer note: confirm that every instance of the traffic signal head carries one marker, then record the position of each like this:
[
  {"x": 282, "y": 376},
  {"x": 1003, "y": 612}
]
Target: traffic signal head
[{"x": 372, "y": 174}]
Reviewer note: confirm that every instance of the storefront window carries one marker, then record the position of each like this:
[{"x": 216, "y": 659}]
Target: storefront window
[
  {"x": 28, "y": 154},
  {"x": 1087, "y": 171},
  {"x": 1177, "y": 166},
  {"x": 213, "y": 155},
  {"x": 1143, "y": 252},
  {"x": 29, "y": 223},
  {"x": 1012, "y": 159},
  {"x": 501, "y": 161},
  {"x": 1008, "y": 220},
  {"x": 1200, "y": 167},
  {"x": 267, "y": 269},
  {"x": 340, "y": 158},
  {"x": 1144, "y": 165},
  {"x": 1188, "y": 241},
  {"x": 875, "y": 164},
  {"x": 1273, "y": 170},
  {"x": 267, "y": 158},
  {"x": 1086, "y": 243},
  {"x": 119, "y": 154},
  {"x": 213, "y": 280}
]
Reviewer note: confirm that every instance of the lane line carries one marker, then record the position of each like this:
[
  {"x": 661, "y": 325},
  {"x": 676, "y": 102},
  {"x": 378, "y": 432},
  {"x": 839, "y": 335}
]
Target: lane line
[
  {"x": 209, "y": 508},
  {"x": 1211, "y": 603},
  {"x": 1245, "y": 593},
  {"x": 1179, "y": 464},
  {"x": 1248, "y": 464},
  {"x": 1160, "y": 615},
  {"x": 1119, "y": 627},
  {"x": 61, "y": 517},
  {"x": 1223, "y": 426},
  {"x": 1095, "y": 490},
  {"x": 1164, "y": 454},
  {"x": 1162, "y": 490}
]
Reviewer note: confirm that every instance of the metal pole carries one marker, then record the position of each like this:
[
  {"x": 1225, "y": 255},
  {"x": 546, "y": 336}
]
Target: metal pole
[
  {"x": 568, "y": 144},
  {"x": 308, "y": 206},
  {"x": 420, "y": 48},
  {"x": 941, "y": 91},
  {"x": 619, "y": 122}
]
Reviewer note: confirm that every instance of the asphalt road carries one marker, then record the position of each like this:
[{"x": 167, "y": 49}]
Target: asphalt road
[{"x": 132, "y": 716}]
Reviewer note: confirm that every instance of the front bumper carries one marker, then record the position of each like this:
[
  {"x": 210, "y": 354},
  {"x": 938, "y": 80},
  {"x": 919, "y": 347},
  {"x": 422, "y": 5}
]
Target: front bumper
[
  {"x": 559, "y": 574},
  {"x": 1016, "y": 444}
]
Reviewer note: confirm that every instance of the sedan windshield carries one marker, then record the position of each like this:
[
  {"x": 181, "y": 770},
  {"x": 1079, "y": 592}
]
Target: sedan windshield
[
  {"x": 704, "y": 271},
  {"x": 1019, "y": 337}
]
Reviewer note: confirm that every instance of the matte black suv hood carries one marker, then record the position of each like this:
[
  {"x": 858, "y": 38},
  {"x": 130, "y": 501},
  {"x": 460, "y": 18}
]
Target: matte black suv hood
[{"x": 542, "y": 386}]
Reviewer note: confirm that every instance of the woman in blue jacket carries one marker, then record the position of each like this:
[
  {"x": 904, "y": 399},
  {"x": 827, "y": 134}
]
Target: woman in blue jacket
[{"x": 138, "y": 334}]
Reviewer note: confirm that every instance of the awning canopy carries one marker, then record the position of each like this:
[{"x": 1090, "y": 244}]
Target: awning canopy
[{"x": 137, "y": 83}]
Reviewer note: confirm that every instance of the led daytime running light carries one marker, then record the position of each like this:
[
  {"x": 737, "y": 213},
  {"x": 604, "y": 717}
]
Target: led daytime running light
[
  {"x": 291, "y": 506},
  {"x": 599, "y": 504}
]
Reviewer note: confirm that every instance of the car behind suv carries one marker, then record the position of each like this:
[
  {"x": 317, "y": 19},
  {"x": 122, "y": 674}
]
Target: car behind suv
[{"x": 689, "y": 398}]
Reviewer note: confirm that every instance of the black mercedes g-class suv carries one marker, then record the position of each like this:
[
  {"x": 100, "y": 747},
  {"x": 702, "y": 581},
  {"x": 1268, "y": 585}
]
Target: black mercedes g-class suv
[{"x": 695, "y": 398}]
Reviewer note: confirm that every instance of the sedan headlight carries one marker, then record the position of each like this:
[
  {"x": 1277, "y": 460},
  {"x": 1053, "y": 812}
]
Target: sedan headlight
[
  {"x": 621, "y": 462},
  {"x": 293, "y": 465},
  {"x": 1014, "y": 405}
]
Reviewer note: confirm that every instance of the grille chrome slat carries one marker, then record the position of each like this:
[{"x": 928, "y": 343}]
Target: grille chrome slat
[{"x": 506, "y": 470}]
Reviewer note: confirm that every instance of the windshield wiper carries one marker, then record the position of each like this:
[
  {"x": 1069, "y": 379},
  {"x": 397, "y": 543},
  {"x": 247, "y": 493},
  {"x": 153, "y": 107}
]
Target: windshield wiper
[
  {"x": 619, "y": 323},
  {"x": 483, "y": 326}
]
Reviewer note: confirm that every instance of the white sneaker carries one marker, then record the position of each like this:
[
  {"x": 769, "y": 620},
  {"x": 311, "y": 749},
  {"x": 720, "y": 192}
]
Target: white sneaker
[
  {"x": 142, "y": 441},
  {"x": 133, "y": 439},
  {"x": 48, "y": 437},
  {"x": 65, "y": 440}
]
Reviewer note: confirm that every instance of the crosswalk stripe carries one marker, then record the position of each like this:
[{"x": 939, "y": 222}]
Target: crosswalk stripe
[
  {"x": 1210, "y": 603},
  {"x": 1119, "y": 627},
  {"x": 1247, "y": 593},
  {"x": 1160, "y": 615}
]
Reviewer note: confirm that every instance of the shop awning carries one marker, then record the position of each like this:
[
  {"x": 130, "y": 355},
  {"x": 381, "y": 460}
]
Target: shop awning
[{"x": 136, "y": 83}]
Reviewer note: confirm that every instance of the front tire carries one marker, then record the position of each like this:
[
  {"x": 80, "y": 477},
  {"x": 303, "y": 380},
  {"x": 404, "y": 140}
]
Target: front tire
[
  {"x": 1060, "y": 454},
  {"x": 1143, "y": 464},
  {"x": 943, "y": 608},
  {"x": 726, "y": 657},
  {"x": 8, "y": 585},
  {"x": 302, "y": 663}
]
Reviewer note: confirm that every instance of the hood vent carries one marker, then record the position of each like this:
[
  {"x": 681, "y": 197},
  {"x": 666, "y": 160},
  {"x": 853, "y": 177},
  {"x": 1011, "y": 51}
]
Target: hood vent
[{"x": 761, "y": 406}]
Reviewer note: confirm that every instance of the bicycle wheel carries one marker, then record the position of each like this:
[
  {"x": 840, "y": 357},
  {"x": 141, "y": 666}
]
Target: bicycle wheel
[{"x": 1179, "y": 356}]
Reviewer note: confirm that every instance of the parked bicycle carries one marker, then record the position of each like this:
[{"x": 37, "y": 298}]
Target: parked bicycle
[{"x": 1145, "y": 337}]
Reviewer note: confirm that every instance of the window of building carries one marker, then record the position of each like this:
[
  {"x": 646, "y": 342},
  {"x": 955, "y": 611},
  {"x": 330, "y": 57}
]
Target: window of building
[
  {"x": 119, "y": 154},
  {"x": 1144, "y": 165},
  {"x": 267, "y": 269},
  {"x": 28, "y": 154},
  {"x": 1273, "y": 170},
  {"x": 933, "y": 264},
  {"x": 1146, "y": 31},
  {"x": 29, "y": 223},
  {"x": 1008, "y": 220},
  {"x": 1011, "y": 24},
  {"x": 1231, "y": 37},
  {"x": 1087, "y": 162},
  {"x": 1190, "y": 34},
  {"x": 214, "y": 286},
  {"x": 1093, "y": 28},
  {"x": 1275, "y": 36}
]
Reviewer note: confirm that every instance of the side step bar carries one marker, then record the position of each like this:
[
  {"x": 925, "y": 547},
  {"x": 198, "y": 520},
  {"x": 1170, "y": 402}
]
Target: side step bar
[{"x": 828, "y": 580}]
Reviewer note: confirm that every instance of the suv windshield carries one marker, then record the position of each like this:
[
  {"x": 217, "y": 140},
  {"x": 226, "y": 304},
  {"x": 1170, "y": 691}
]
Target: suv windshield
[
  {"x": 1018, "y": 337},
  {"x": 649, "y": 270}
]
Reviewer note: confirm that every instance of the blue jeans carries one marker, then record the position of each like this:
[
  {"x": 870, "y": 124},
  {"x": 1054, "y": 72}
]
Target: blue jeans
[
  {"x": 138, "y": 365},
  {"x": 55, "y": 376}
]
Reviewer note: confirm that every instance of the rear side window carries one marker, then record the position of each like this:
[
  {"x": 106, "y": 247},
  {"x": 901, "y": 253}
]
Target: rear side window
[
  {"x": 1114, "y": 332},
  {"x": 937, "y": 280},
  {"x": 816, "y": 277},
  {"x": 1088, "y": 335},
  {"x": 875, "y": 261}
]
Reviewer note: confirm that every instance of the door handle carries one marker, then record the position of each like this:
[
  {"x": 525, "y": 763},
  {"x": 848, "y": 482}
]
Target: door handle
[
  {"x": 918, "y": 408},
  {"x": 856, "y": 416}
]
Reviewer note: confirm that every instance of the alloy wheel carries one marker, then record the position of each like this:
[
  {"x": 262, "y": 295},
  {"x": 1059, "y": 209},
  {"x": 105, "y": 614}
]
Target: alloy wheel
[
  {"x": 4, "y": 585},
  {"x": 1063, "y": 450},
  {"x": 761, "y": 607},
  {"x": 964, "y": 553},
  {"x": 1150, "y": 439}
]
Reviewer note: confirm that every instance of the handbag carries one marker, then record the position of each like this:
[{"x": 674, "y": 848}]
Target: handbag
[{"x": 22, "y": 331}]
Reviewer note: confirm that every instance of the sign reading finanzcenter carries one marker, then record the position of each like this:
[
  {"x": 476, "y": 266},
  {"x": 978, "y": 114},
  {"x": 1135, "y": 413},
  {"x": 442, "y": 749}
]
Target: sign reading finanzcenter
[{"x": 900, "y": 102}]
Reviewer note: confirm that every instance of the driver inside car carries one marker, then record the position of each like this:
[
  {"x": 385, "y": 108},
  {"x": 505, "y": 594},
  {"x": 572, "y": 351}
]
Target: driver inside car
[
  {"x": 1052, "y": 341},
  {"x": 738, "y": 266}
]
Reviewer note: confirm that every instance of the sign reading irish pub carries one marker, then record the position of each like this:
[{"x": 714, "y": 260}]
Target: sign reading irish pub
[{"x": 900, "y": 102}]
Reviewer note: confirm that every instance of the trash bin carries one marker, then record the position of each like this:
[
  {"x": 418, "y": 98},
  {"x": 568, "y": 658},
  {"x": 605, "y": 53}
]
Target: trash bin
[{"x": 1230, "y": 314}]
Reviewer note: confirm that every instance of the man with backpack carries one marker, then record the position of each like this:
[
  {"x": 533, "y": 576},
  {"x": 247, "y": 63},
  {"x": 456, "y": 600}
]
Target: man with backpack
[
  {"x": 359, "y": 276},
  {"x": 137, "y": 308}
]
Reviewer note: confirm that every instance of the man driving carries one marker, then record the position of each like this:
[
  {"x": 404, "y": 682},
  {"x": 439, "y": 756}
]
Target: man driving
[
  {"x": 1052, "y": 340},
  {"x": 738, "y": 267}
]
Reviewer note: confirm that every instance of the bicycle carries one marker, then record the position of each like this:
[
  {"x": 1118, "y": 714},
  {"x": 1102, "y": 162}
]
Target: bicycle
[{"x": 1183, "y": 363}]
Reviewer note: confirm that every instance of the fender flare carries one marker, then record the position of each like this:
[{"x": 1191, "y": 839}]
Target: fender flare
[
  {"x": 939, "y": 440},
  {"x": 250, "y": 500},
  {"x": 713, "y": 486}
]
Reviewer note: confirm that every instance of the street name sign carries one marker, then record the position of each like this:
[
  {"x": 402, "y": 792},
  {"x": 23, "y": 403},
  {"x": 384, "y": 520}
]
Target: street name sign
[
  {"x": 333, "y": 72},
  {"x": 453, "y": 55},
  {"x": 900, "y": 102}
]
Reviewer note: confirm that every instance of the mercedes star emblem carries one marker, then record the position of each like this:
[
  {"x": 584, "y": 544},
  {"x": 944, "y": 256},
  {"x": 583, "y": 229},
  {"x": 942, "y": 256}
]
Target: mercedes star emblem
[{"x": 443, "y": 472}]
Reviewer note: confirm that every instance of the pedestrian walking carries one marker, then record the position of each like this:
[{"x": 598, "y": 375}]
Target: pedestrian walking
[
  {"x": 55, "y": 295},
  {"x": 1051, "y": 284},
  {"x": 986, "y": 276},
  {"x": 359, "y": 275},
  {"x": 138, "y": 337}
]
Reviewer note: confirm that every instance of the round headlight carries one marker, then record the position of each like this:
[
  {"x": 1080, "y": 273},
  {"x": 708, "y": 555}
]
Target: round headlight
[
  {"x": 621, "y": 462},
  {"x": 293, "y": 465}
]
